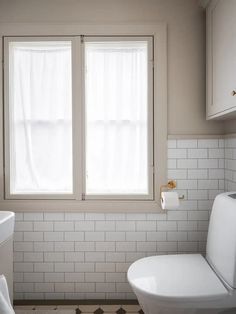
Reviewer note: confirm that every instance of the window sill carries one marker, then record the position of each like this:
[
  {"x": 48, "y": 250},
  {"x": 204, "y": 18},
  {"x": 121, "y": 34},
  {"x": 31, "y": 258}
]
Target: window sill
[{"x": 80, "y": 206}]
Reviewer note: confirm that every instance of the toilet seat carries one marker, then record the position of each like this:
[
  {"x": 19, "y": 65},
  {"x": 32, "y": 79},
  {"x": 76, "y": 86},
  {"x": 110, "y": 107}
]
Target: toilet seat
[{"x": 177, "y": 278}]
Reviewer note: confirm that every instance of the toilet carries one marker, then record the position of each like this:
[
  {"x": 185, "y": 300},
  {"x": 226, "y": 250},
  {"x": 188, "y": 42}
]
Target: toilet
[{"x": 191, "y": 283}]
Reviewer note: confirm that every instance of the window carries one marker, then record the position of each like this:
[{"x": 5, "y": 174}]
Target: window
[
  {"x": 79, "y": 118},
  {"x": 40, "y": 117},
  {"x": 118, "y": 150}
]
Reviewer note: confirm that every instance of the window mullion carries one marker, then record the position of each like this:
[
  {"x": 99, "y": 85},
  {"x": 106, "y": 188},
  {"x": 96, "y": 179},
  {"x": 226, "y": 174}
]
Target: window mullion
[
  {"x": 151, "y": 170},
  {"x": 77, "y": 91},
  {"x": 83, "y": 116}
]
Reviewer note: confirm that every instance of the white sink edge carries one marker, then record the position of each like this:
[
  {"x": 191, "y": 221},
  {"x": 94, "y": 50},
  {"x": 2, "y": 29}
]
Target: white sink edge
[
  {"x": 7, "y": 222},
  {"x": 11, "y": 214}
]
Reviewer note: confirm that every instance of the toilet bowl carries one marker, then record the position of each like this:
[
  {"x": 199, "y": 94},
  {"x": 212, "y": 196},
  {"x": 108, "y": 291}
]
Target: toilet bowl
[{"x": 190, "y": 283}]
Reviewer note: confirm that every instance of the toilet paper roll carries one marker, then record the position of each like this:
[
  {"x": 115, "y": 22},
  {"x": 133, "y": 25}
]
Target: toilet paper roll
[{"x": 169, "y": 200}]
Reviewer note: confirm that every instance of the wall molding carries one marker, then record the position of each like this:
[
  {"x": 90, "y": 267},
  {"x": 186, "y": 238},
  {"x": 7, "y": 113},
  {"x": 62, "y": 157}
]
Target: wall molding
[
  {"x": 200, "y": 136},
  {"x": 231, "y": 135},
  {"x": 193, "y": 137}
]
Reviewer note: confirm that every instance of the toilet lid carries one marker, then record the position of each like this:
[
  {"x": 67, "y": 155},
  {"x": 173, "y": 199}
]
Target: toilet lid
[{"x": 173, "y": 277}]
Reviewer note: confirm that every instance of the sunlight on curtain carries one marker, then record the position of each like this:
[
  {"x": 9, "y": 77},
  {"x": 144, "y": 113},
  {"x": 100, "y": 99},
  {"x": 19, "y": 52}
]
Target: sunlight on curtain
[
  {"x": 40, "y": 117},
  {"x": 116, "y": 117}
]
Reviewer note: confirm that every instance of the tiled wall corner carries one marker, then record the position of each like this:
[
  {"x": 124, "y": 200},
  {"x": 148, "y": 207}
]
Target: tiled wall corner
[
  {"x": 86, "y": 256},
  {"x": 230, "y": 164}
]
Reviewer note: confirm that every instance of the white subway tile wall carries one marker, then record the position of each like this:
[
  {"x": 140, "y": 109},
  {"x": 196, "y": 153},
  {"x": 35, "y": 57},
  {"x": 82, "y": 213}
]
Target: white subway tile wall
[
  {"x": 86, "y": 255},
  {"x": 230, "y": 164}
]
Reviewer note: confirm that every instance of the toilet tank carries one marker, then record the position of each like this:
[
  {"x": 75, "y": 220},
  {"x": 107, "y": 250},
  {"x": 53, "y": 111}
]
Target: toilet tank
[{"x": 221, "y": 241}]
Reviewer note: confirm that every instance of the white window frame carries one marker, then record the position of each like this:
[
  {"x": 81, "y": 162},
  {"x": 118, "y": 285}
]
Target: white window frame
[{"x": 78, "y": 201}]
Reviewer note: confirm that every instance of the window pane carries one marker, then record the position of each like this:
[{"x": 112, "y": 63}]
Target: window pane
[
  {"x": 116, "y": 117},
  {"x": 40, "y": 114}
]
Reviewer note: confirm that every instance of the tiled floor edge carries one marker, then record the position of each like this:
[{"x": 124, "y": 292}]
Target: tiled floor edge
[{"x": 75, "y": 302}]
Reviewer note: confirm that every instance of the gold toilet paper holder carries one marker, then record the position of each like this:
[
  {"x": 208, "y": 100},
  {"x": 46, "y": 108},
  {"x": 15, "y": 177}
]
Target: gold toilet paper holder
[{"x": 170, "y": 186}]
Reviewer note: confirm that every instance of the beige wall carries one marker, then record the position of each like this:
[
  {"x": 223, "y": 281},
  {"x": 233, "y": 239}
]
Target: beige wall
[
  {"x": 229, "y": 126},
  {"x": 186, "y": 45}
]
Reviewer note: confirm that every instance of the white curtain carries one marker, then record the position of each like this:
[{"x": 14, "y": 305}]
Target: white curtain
[
  {"x": 40, "y": 117},
  {"x": 116, "y": 117}
]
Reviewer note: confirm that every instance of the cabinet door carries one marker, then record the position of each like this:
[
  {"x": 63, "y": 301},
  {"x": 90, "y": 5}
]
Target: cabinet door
[{"x": 223, "y": 57}]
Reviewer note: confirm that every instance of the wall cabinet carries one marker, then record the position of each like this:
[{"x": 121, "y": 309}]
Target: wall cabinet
[{"x": 221, "y": 59}]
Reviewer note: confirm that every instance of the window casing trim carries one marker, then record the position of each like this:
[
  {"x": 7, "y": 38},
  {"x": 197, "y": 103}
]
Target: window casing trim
[{"x": 159, "y": 33}]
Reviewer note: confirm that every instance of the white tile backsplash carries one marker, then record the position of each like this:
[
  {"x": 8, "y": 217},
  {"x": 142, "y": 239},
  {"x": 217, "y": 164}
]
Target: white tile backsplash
[
  {"x": 86, "y": 255},
  {"x": 230, "y": 164},
  {"x": 198, "y": 153},
  {"x": 186, "y": 143}
]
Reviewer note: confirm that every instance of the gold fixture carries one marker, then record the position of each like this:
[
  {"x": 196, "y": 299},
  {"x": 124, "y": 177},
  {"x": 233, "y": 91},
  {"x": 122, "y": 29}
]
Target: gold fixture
[
  {"x": 233, "y": 93},
  {"x": 170, "y": 186}
]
